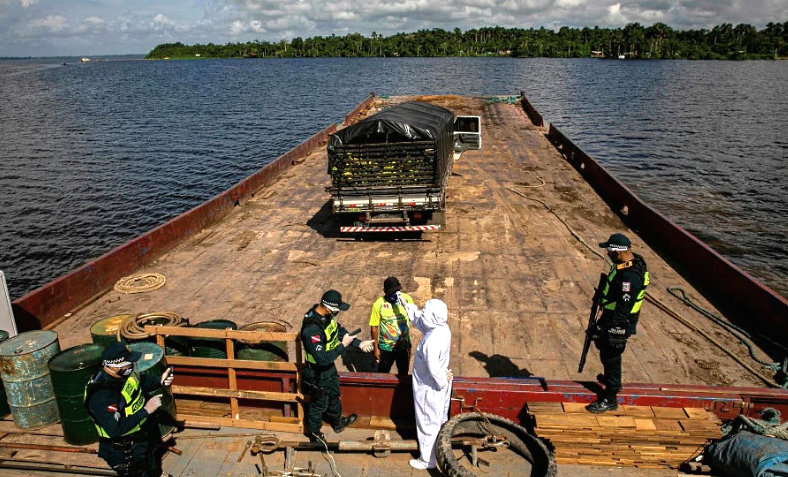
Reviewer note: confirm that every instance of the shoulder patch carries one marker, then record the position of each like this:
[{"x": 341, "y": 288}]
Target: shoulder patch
[
  {"x": 385, "y": 306},
  {"x": 626, "y": 286},
  {"x": 315, "y": 339},
  {"x": 112, "y": 408}
]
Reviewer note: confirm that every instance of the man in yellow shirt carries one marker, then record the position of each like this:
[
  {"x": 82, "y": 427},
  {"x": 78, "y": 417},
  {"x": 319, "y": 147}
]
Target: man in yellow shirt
[{"x": 391, "y": 329}]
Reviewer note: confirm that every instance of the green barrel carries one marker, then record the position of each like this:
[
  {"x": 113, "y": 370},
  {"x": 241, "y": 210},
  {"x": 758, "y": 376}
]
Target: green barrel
[
  {"x": 105, "y": 331},
  {"x": 211, "y": 347},
  {"x": 26, "y": 379},
  {"x": 71, "y": 370},
  {"x": 263, "y": 350},
  {"x": 4, "y": 409},
  {"x": 153, "y": 363}
]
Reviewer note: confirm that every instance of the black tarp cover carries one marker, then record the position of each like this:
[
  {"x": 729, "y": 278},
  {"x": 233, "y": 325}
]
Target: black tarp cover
[{"x": 414, "y": 121}]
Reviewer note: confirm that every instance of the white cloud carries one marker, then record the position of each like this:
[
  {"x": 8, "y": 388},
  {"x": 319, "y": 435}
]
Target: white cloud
[{"x": 123, "y": 26}]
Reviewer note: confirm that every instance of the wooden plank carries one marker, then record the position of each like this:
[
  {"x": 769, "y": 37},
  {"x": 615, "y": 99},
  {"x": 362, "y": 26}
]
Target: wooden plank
[
  {"x": 228, "y": 393},
  {"x": 618, "y": 422},
  {"x": 575, "y": 407},
  {"x": 234, "y": 364},
  {"x": 567, "y": 420},
  {"x": 645, "y": 425},
  {"x": 667, "y": 425},
  {"x": 230, "y": 348},
  {"x": 221, "y": 334},
  {"x": 542, "y": 407},
  {"x": 288, "y": 420},
  {"x": 669, "y": 413},
  {"x": 638, "y": 411},
  {"x": 698, "y": 413},
  {"x": 264, "y": 425},
  {"x": 697, "y": 426}
]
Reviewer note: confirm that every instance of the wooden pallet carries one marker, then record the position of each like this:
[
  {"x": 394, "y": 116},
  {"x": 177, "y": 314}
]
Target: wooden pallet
[
  {"x": 638, "y": 436},
  {"x": 218, "y": 413}
]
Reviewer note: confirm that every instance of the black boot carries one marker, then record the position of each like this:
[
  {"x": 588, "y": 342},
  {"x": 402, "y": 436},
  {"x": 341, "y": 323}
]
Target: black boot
[
  {"x": 602, "y": 405},
  {"x": 343, "y": 422}
]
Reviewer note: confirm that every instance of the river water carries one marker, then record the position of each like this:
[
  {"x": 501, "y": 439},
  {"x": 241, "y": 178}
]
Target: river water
[{"x": 92, "y": 155}]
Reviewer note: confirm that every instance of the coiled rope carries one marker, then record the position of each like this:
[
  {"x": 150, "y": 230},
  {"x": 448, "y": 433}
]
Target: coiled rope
[
  {"x": 736, "y": 331},
  {"x": 133, "y": 328},
  {"x": 140, "y": 283}
]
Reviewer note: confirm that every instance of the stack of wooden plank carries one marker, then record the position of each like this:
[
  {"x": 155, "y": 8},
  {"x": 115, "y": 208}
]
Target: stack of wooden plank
[{"x": 648, "y": 437}]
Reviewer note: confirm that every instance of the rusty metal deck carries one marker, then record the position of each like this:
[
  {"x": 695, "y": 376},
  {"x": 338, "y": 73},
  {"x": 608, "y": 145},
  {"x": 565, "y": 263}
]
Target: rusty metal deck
[{"x": 517, "y": 284}]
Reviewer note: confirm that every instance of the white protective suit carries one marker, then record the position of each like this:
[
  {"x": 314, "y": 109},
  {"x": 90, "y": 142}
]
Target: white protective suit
[{"x": 431, "y": 388}]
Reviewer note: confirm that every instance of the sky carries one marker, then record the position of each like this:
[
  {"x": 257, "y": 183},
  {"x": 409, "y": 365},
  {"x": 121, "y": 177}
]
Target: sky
[{"x": 104, "y": 27}]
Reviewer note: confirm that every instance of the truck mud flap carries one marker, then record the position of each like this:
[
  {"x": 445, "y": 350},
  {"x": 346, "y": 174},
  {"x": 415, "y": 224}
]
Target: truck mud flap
[{"x": 401, "y": 228}]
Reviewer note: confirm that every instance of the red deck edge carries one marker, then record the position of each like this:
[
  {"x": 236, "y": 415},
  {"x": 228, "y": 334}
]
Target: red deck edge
[
  {"x": 724, "y": 284},
  {"x": 532, "y": 113},
  {"x": 44, "y": 305},
  {"x": 358, "y": 109},
  {"x": 387, "y": 395}
]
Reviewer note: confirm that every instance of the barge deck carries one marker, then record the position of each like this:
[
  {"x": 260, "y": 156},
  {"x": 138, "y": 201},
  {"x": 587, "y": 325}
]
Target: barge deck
[{"x": 517, "y": 283}]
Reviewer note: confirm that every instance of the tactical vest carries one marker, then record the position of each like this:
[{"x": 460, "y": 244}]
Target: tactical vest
[
  {"x": 638, "y": 266},
  {"x": 331, "y": 331},
  {"x": 132, "y": 395}
]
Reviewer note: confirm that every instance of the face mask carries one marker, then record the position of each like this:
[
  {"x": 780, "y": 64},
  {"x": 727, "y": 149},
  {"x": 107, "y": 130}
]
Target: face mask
[
  {"x": 126, "y": 372},
  {"x": 392, "y": 298}
]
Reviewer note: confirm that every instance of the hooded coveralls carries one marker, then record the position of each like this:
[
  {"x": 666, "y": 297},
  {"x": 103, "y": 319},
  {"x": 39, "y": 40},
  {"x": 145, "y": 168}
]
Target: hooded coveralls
[{"x": 431, "y": 388}]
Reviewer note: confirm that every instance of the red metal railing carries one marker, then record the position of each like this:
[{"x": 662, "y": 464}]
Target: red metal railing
[{"x": 729, "y": 288}]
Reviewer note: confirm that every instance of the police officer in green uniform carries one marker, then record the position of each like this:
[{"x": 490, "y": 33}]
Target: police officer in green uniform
[
  {"x": 324, "y": 341},
  {"x": 119, "y": 403},
  {"x": 622, "y": 297}
]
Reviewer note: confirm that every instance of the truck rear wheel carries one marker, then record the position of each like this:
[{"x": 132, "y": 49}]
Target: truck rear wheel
[{"x": 472, "y": 424}]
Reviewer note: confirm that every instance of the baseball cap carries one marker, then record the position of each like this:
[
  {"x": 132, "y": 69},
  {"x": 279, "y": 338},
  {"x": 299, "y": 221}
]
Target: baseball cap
[
  {"x": 119, "y": 354},
  {"x": 333, "y": 299},
  {"x": 616, "y": 243},
  {"x": 391, "y": 285}
]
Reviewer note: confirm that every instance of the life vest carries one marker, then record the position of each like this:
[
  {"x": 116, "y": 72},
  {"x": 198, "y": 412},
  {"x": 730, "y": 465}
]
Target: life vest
[
  {"x": 132, "y": 396},
  {"x": 638, "y": 265},
  {"x": 331, "y": 330}
]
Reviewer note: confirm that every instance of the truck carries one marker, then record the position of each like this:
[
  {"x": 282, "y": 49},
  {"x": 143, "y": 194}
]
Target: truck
[{"x": 389, "y": 172}]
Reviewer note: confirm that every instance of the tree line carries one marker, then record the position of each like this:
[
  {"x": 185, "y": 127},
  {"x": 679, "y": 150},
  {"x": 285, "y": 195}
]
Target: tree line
[{"x": 658, "y": 41}]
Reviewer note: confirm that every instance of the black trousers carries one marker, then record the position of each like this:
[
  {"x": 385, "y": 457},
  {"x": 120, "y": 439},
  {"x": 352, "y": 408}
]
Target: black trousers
[
  {"x": 610, "y": 355},
  {"x": 323, "y": 390},
  {"x": 135, "y": 458},
  {"x": 388, "y": 358}
]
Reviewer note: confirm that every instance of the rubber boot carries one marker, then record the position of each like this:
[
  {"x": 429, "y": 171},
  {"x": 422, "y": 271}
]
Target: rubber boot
[
  {"x": 603, "y": 405},
  {"x": 343, "y": 422}
]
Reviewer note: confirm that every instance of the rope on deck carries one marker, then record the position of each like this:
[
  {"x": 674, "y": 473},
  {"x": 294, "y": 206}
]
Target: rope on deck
[
  {"x": 133, "y": 328},
  {"x": 140, "y": 283},
  {"x": 670, "y": 312}
]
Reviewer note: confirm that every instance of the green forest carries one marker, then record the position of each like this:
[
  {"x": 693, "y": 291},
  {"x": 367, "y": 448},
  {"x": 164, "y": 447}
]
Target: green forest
[{"x": 658, "y": 41}]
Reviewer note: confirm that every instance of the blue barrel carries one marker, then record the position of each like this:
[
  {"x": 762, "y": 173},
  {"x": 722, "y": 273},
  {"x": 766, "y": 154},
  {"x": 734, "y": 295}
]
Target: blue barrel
[
  {"x": 71, "y": 370},
  {"x": 153, "y": 363},
  {"x": 26, "y": 379},
  {"x": 4, "y": 409}
]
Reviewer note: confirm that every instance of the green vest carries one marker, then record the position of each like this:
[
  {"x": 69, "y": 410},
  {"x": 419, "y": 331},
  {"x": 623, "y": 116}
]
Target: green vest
[
  {"x": 332, "y": 339},
  {"x": 394, "y": 326},
  {"x": 134, "y": 399},
  {"x": 637, "y": 265}
]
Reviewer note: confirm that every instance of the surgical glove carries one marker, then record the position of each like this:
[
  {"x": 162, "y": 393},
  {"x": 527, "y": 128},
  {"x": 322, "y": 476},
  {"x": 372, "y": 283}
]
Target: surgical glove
[
  {"x": 367, "y": 346},
  {"x": 166, "y": 377},
  {"x": 449, "y": 375},
  {"x": 153, "y": 404},
  {"x": 347, "y": 339}
]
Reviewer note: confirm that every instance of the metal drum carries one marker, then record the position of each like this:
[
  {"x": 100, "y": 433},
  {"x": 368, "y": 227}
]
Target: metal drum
[
  {"x": 71, "y": 370},
  {"x": 105, "y": 331},
  {"x": 211, "y": 347},
  {"x": 26, "y": 379},
  {"x": 263, "y": 350},
  {"x": 4, "y": 409},
  {"x": 153, "y": 363}
]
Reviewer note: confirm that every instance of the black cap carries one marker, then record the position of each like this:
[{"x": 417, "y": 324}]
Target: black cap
[
  {"x": 118, "y": 352},
  {"x": 391, "y": 285},
  {"x": 617, "y": 243},
  {"x": 333, "y": 299}
]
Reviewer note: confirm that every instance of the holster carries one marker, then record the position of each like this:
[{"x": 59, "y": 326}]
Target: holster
[
  {"x": 617, "y": 337},
  {"x": 315, "y": 392}
]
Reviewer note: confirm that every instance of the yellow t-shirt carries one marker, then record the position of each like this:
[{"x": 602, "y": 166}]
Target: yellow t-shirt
[{"x": 394, "y": 333}]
